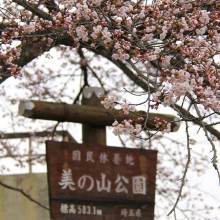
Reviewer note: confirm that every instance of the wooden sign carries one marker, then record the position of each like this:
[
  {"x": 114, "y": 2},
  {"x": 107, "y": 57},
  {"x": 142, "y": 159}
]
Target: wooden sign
[{"x": 100, "y": 182}]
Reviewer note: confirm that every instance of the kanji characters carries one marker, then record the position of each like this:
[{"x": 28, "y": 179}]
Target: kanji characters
[
  {"x": 139, "y": 185},
  {"x": 66, "y": 180},
  {"x": 120, "y": 182},
  {"x": 80, "y": 209},
  {"x": 90, "y": 183},
  {"x": 129, "y": 212},
  {"x": 90, "y": 156},
  {"x": 104, "y": 184},
  {"x": 129, "y": 160},
  {"x": 117, "y": 159},
  {"x": 64, "y": 208},
  {"x": 103, "y": 158},
  {"x": 76, "y": 155}
]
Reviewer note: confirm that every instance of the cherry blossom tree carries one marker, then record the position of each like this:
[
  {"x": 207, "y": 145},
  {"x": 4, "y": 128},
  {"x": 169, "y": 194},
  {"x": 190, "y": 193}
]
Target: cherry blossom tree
[{"x": 165, "y": 50}]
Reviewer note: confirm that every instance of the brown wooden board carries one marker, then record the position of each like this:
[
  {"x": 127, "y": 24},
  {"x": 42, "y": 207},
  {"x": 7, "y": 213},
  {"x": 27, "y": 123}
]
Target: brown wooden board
[
  {"x": 115, "y": 181},
  {"x": 67, "y": 210}
]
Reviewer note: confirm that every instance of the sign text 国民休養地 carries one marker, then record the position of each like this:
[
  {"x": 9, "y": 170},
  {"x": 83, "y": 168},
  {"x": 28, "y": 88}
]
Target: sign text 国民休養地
[{"x": 103, "y": 158}]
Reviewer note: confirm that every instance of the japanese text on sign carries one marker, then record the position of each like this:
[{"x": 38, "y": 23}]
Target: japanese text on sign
[
  {"x": 103, "y": 158},
  {"x": 79, "y": 209},
  {"x": 92, "y": 210},
  {"x": 100, "y": 182},
  {"x": 89, "y": 183}
]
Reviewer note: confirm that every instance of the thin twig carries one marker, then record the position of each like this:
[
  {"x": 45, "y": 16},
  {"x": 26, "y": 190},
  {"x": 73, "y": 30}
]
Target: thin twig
[
  {"x": 96, "y": 76},
  {"x": 135, "y": 94},
  {"x": 54, "y": 130},
  {"x": 121, "y": 140},
  {"x": 214, "y": 159},
  {"x": 185, "y": 171},
  {"x": 175, "y": 214}
]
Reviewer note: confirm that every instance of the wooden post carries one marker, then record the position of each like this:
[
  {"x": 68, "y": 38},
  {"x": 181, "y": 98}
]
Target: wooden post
[
  {"x": 30, "y": 154},
  {"x": 92, "y": 134},
  {"x": 109, "y": 182}
]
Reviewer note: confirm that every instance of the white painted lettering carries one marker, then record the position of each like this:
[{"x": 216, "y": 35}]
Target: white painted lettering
[
  {"x": 72, "y": 209},
  {"x": 138, "y": 213},
  {"x": 82, "y": 182},
  {"x": 139, "y": 185},
  {"x": 76, "y": 155},
  {"x": 89, "y": 212},
  {"x": 104, "y": 184},
  {"x": 89, "y": 157},
  {"x": 66, "y": 180},
  {"x": 117, "y": 159},
  {"x": 120, "y": 184},
  {"x": 94, "y": 210},
  {"x": 80, "y": 209},
  {"x": 64, "y": 208},
  {"x": 131, "y": 213},
  {"x": 103, "y": 158},
  {"x": 129, "y": 160},
  {"x": 124, "y": 212},
  {"x": 99, "y": 212},
  {"x": 84, "y": 210}
]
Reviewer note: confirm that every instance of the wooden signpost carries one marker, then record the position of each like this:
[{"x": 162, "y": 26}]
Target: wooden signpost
[
  {"x": 98, "y": 182},
  {"x": 90, "y": 180}
]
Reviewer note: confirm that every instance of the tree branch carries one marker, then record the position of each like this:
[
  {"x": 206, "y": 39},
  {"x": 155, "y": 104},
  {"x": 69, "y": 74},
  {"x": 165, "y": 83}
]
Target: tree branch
[
  {"x": 185, "y": 171},
  {"x": 51, "y": 5},
  {"x": 138, "y": 81},
  {"x": 195, "y": 120},
  {"x": 24, "y": 194},
  {"x": 214, "y": 159},
  {"x": 32, "y": 50},
  {"x": 34, "y": 9}
]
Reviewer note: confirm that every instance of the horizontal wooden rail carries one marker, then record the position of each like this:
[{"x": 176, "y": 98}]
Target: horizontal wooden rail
[
  {"x": 84, "y": 114},
  {"x": 20, "y": 135}
]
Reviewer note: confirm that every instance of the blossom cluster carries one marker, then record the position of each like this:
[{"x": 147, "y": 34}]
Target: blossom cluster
[
  {"x": 126, "y": 127},
  {"x": 129, "y": 126},
  {"x": 162, "y": 125},
  {"x": 180, "y": 39},
  {"x": 113, "y": 100}
]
